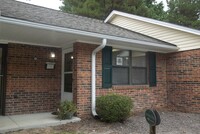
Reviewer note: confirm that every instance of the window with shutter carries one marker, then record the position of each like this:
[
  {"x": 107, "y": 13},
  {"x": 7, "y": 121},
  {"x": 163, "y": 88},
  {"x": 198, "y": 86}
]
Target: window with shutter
[{"x": 124, "y": 67}]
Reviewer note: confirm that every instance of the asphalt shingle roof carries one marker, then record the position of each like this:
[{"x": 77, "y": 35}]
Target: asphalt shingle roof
[{"x": 37, "y": 14}]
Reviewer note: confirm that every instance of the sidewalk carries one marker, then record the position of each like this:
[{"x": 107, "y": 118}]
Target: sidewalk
[{"x": 39, "y": 120}]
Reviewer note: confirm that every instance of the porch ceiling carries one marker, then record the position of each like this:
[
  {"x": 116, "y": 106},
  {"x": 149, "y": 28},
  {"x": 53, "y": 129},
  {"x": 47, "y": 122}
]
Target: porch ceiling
[{"x": 46, "y": 35}]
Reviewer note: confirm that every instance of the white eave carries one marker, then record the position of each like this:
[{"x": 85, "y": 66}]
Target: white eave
[
  {"x": 152, "y": 21},
  {"x": 36, "y": 33}
]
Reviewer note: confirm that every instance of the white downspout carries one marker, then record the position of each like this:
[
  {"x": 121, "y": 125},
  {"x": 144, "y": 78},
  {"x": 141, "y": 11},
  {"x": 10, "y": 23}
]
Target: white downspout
[{"x": 93, "y": 92}]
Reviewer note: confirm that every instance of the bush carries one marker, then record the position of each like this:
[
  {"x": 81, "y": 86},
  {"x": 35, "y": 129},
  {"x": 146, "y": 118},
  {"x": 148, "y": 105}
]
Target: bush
[
  {"x": 66, "y": 110},
  {"x": 113, "y": 108}
]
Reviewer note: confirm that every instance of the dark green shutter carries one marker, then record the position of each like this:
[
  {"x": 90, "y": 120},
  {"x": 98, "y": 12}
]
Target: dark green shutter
[
  {"x": 152, "y": 69},
  {"x": 107, "y": 67}
]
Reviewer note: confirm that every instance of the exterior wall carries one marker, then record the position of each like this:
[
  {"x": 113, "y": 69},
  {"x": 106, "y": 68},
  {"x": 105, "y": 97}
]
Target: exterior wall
[
  {"x": 183, "y": 81},
  {"x": 143, "y": 96},
  {"x": 185, "y": 41},
  {"x": 30, "y": 87}
]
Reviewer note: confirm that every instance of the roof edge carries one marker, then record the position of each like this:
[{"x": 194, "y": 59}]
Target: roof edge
[
  {"x": 152, "y": 21},
  {"x": 84, "y": 33}
]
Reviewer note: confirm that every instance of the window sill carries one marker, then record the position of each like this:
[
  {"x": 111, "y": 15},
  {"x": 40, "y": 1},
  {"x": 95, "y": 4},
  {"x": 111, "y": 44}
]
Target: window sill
[{"x": 130, "y": 86}]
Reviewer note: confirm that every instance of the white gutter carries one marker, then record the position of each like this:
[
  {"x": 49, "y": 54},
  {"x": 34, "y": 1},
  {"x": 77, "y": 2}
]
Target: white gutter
[
  {"x": 93, "y": 92},
  {"x": 84, "y": 33}
]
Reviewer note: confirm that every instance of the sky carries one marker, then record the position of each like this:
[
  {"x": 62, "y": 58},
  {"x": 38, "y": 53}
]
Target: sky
[
  {"x": 164, "y": 2},
  {"x": 54, "y": 4}
]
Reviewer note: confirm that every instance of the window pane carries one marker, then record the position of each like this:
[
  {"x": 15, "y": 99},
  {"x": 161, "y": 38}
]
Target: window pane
[
  {"x": 120, "y": 75},
  {"x": 68, "y": 83},
  {"x": 120, "y": 57},
  {"x": 138, "y": 59},
  {"x": 68, "y": 62},
  {"x": 139, "y": 76}
]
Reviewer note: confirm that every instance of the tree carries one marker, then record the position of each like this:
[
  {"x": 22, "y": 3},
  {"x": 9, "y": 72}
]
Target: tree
[
  {"x": 90, "y": 8},
  {"x": 184, "y": 12},
  {"x": 101, "y": 8}
]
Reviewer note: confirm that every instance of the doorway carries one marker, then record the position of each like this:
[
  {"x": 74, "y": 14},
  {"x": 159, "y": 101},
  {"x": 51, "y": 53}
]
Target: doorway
[
  {"x": 67, "y": 75},
  {"x": 3, "y": 50}
]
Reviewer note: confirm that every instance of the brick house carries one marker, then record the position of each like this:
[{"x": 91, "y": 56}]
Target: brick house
[
  {"x": 48, "y": 56},
  {"x": 182, "y": 67}
]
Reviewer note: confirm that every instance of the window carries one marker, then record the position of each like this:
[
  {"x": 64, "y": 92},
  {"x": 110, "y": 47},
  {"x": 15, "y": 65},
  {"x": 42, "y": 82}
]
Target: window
[
  {"x": 68, "y": 72},
  {"x": 128, "y": 67},
  {"x": 120, "y": 67},
  {"x": 124, "y": 67},
  {"x": 139, "y": 68}
]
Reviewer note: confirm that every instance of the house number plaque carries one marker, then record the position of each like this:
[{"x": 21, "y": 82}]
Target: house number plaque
[
  {"x": 153, "y": 118},
  {"x": 50, "y": 65}
]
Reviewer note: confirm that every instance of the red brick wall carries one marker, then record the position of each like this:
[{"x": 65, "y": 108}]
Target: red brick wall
[
  {"x": 143, "y": 96},
  {"x": 31, "y": 88},
  {"x": 183, "y": 81}
]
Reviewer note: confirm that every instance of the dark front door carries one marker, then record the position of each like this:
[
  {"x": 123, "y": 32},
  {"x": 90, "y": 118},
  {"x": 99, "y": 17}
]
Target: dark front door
[{"x": 2, "y": 77}]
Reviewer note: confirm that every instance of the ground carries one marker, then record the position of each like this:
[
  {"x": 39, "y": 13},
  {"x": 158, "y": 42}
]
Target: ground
[{"x": 171, "y": 123}]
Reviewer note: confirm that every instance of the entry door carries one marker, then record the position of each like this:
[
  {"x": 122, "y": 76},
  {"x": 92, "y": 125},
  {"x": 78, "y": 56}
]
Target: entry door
[
  {"x": 2, "y": 78},
  {"x": 67, "y": 90}
]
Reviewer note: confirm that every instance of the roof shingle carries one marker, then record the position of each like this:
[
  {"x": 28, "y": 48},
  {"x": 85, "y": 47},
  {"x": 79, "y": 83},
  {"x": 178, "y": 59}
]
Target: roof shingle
[{"x": 37, "y": 14}]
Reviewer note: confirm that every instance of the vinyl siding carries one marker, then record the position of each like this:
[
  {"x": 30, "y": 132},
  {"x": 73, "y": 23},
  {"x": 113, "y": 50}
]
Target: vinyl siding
[{"x": 183, "y": 40}]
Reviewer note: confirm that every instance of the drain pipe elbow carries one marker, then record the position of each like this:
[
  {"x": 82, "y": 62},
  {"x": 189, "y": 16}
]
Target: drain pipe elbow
[{"x": 93, "y": 92}]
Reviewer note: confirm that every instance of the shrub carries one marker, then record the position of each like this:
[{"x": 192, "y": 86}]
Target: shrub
[
  {"x": 66, "y": 110},
  {"x": 113, "y": 108}
]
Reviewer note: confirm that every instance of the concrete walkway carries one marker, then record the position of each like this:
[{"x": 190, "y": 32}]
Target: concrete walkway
[{"x": 18, "y": 122}]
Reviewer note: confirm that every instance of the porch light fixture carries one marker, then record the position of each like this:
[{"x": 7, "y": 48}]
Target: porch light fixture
[
  {"x": 52, "y": 55},
  {"x": 72, "y": 57}
]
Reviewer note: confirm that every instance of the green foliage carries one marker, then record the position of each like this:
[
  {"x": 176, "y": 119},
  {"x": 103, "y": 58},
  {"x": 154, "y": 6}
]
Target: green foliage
[
  {"x": 101, "y": 8},
  {"x": 113, "y": 108},
  {"x": 66, "y": 110},
  {"x": 184, "y": 12},
  {"x": 90, "y": 8}
]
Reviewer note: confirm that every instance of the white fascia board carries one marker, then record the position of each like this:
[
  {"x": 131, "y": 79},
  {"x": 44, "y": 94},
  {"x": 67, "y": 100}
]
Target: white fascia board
[
  {"x": 152, "y": 21},
  {"x": 135, "y": 48},
  {"x": 83, "y": 33},
  {"x": 27, "y": 43}
]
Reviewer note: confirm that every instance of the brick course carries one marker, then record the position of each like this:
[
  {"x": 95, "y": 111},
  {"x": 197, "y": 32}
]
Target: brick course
[
  {"x": 183, "y": 81},
  {"x": 143, "y": 96},
  {"x": 30, "y": 88}
]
